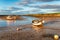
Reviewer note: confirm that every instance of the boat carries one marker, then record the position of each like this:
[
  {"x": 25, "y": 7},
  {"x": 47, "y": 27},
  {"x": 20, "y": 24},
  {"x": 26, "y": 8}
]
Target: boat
[
  {"x": 37, "y": 22},
  {"x": 11, "y": 17}
]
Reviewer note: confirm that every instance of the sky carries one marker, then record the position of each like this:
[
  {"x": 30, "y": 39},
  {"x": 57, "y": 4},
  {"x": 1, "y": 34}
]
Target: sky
[{"x": 21, "y": 7}]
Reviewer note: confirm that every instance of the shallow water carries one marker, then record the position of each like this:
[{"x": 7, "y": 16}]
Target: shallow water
[{"x": 27, "y": 20}]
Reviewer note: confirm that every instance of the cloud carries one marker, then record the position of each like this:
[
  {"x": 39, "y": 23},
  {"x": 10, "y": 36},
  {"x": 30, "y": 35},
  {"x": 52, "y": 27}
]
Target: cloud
[
  {"x": 50, "y": 10},
  {"x": 32, "y": 7},
  {"x": 30, "y": 11},
  {"x": 17, "y": 11},
  {"x": 46, "y": 0},
  {"x": 9, "y": 10},
  {"x": 25, "y": 2},
  {"x": 50, "y": 6},
  {"x": 27, "y": 11},
  {"x": 46, "y": 6},
  {"x": 5, "y": 12},
  {"x": 56, "y": 10},
  {"x": 15, "y": 8},
  {"x": 37, "y": 11}
]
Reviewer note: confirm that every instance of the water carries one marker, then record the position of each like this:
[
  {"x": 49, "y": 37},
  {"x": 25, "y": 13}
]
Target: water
[{"x": 27, "y": 20}]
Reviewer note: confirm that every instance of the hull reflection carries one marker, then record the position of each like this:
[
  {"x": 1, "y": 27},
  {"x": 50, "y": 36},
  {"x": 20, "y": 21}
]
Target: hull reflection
[
  {"x": 37, "y": 29},
  {"x": 10, "y": 22}
]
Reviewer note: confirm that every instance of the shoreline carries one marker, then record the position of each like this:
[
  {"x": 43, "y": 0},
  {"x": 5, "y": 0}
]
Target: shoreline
[{"x": 29, "y": 32}]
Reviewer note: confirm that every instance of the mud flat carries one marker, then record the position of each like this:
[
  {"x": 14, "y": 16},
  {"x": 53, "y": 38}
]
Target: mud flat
[{"x": 28, "y": 32}]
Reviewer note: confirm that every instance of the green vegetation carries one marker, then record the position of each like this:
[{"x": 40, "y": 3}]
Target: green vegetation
[{"x": 46, "y": 14}]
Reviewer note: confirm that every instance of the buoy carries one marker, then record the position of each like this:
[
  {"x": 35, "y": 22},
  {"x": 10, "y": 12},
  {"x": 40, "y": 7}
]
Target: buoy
[{"x": 56, "y": 37}]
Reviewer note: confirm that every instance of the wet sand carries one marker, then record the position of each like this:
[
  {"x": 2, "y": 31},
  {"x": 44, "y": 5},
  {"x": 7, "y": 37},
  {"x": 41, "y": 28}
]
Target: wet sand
[{"x": 29, "y": 32}]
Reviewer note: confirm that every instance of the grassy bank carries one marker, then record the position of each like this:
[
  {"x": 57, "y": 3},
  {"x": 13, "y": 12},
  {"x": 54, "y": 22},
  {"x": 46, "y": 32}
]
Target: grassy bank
[{"x": 42, "y": 15}]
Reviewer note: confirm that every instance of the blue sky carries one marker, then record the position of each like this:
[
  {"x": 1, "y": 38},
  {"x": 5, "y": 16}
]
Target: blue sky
[{"x": 29, "y": 6}]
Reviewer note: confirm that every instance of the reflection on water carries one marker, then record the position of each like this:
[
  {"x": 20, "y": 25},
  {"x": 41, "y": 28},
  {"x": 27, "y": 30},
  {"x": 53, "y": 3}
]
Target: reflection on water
[
  {"x": 27, "y": 20},
  {"x": 38, "y": 28},
  {"x": 10, "y": 22},
  {"x": 3, "y": 23}
]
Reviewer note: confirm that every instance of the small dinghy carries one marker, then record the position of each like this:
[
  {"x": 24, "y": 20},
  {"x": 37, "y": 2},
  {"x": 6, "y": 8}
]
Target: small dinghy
[
  {"x": 11, "y": 17},
  {"x": 37, "y": 22}
]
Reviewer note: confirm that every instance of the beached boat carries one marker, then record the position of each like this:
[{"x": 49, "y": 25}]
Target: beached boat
[
  {"x": 37, "y": 22},
  {"x": 11, "y": 17}
]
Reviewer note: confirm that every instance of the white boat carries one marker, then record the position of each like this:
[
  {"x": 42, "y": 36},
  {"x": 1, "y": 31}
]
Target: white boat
[
  {"x": 11, "y": 17},
  {"x": 37, "y": 22}
]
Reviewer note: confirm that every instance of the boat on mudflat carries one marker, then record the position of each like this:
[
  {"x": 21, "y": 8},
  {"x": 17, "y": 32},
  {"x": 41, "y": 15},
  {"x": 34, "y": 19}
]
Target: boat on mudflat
[{"x": 11, "y": 17}]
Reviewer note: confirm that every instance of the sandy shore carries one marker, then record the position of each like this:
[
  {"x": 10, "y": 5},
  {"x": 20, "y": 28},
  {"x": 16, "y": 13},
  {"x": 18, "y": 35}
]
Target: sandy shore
[{"x": 29, "y": 32}]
